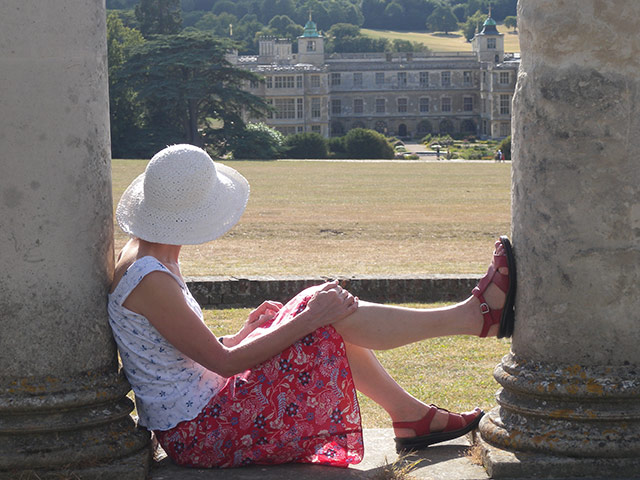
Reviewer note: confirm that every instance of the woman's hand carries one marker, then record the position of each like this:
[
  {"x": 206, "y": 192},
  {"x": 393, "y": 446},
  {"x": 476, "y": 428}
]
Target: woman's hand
[
  {"x": 264, "y": 313},
  {"x": 330, "y": 304}
]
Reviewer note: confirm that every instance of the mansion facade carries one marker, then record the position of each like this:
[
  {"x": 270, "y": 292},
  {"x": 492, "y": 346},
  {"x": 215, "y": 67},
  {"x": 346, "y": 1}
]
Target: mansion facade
[{"x": 404, "y": 94}]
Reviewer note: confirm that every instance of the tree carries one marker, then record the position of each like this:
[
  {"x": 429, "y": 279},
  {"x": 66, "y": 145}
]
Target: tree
[
  {"x": 124, "y": 108},
  {"x": 159, "y": 17},
  {"x": 473, "y": 25},
  {"x": 442, "y": 20},
  {"x": 191, "y": 92},
  {"x": 511, "y": 22}
]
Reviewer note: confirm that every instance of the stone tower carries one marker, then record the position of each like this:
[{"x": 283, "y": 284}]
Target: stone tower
[
  {"x": 488, "y": 45},
  {"x": 311, "y": 45}
]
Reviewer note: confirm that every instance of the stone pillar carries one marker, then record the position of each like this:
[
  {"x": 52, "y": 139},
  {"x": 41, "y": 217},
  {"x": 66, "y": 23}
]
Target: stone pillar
[
  {"x": 63, "y": 409},
  {"x": 570, "y": 398}
]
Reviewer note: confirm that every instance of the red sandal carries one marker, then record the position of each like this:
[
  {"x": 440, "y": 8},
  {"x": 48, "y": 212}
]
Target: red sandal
[
  {"x": 458, "y": 424},
  {"x": 507, "y": 283}
]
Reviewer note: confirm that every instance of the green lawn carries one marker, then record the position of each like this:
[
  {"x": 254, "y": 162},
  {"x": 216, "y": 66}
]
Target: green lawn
[
  {"x": 355, "y": 218},
  {"x": 440, "y": 42},
  {"x": 452, "y": 372}
]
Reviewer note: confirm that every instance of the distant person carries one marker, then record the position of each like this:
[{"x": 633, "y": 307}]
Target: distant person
[
  {"x": 499, "y": 156},
  {"x": 283, "y": 388}
]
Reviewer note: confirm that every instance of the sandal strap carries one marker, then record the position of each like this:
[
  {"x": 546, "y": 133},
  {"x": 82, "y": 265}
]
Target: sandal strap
[{"x": 422, "y": 426}]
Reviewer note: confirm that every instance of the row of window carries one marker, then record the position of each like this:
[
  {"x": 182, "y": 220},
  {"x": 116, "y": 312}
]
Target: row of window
[
  {"x": 335, "y": 79},
  {"x": 402, "y": 105},
  {"x": 424, "y": 79},
  {"x": 289, "y": 108}
]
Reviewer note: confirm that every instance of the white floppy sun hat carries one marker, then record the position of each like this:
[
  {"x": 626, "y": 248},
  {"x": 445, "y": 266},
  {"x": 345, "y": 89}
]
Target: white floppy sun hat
[{"x": 183, "y": 198}]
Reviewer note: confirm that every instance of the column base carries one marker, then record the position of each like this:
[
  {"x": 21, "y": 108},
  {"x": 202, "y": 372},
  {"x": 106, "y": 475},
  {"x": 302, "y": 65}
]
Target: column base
[
  {"x": 75, "y": 428},
  {"x": 502, "y": 463}
]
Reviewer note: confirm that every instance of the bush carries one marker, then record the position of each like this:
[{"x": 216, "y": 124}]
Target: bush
[
  {"x": 364, "y": 143},
  {"x": 505, "y": 146},
  {"x": 337, "y": 147},
  {"x": 306, "y": 145},
  {"x": 259, "y": 141}
]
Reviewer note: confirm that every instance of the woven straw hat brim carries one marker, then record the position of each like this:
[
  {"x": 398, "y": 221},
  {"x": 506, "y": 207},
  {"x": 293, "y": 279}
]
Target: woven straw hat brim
[{"x": 210, "y": 218}]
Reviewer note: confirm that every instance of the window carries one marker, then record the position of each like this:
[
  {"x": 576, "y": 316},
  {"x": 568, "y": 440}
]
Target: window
[
  {"x": 316, "y": 129},
  {"x": 269, "y": 82},
  {"x": 335, "y": 79},
  {"x": 466, "y": 78},
  {"x": 357, "y": 79},
  {"x": 424, "y": 79},
  {"x": 445, "y": 79},
  {"x": 380, "y": 105},
  {"x": 424, "y": 105},
  {"x": 253, "y": 83},
  {"x": 299, "y": 108},
  {"x": 491, "y": 43},
  {"x": 358, "y": 105},
  {"x": 505, "y": 104},
  {"x": 315, "y": 81},
  {"x": 311, "y": 45},
  {"x": 402, "y": 105},
  {"x": 283, "y": 81},
  {"x": 504, "y": 78},
  {"x": 467, "y": 104},
  {"x": 379, "y": 78},
  {"x": 402, "y": 79},
  {"x": 285, "y": 108},
  {"x": 315, "y": 107},
  {"x": 270, "y": 112},
  {"x": 299, "y": 81},
  {"x": 286, "y": 130},
  {"x": 336, "y": 107},
  {"x": 446, "y": 104},
  {"x": 300, "y": 129}
]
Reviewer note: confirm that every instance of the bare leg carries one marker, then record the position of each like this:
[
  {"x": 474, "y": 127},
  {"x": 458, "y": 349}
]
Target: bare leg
[
  {"x": 374, "y": 381},
  {"x": 381, "y": 327}
]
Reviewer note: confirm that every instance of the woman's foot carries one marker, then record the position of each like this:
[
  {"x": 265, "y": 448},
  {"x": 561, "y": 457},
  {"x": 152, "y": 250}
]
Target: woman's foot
[
  {"x": 437, "y": 425},
  {"x": 493, "y": 297}
]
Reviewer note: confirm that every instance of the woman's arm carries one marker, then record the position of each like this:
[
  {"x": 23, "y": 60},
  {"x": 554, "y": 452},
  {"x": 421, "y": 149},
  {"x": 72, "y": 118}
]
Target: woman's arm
[{"x": 158, "y": 297}]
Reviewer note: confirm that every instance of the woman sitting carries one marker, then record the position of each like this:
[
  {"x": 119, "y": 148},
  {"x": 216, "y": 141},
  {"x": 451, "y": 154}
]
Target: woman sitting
[{"x": 282, "y": 389}]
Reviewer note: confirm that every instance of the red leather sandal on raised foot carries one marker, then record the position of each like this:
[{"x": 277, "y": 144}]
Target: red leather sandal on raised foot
[
  {"x": 457, "y": 425},
  {"x": 507, "y": 283}
]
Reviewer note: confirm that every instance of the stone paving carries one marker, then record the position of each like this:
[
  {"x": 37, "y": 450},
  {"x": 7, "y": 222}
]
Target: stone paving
[{"x": 446, "y": 461}]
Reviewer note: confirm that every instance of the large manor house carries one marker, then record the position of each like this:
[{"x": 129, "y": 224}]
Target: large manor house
[{"x": 404, "y": 94}]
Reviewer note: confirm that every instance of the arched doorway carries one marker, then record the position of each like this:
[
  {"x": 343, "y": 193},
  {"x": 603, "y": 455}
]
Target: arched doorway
[
  {"x": 424, "y": 127},
  {"x": 402, "y": 130},
  {"x": 337, "y": 129},
  {"x": 446, "y": 127},
  {"x": 468, "y": 127}
]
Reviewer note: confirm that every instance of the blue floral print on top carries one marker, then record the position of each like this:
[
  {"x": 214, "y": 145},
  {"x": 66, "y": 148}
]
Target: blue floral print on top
[{"x": 169, "y": 387}]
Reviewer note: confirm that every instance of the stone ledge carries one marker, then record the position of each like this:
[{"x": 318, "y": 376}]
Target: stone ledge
[{"x": 224, "y": 292}]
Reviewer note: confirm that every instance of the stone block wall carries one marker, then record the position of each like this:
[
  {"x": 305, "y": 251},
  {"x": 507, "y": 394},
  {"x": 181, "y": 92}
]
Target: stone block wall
[{"x": 228, "y": 292}]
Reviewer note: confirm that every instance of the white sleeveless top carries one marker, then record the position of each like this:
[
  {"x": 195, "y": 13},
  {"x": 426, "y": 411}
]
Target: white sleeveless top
[{"x": 169, "y": 387}]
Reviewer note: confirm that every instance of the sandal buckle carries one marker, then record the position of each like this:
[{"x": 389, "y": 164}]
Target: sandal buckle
[{"x": 484, "y": 308}]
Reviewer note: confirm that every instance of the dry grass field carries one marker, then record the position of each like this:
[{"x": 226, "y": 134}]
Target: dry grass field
[
  {"x": 439, "y": 42},
  {"x": 354, "y": 218}
]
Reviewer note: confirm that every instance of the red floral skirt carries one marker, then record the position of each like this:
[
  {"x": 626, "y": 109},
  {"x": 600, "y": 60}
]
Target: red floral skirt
[{"x": 299, "y": 406}]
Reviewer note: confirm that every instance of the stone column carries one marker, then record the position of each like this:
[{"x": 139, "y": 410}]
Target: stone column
[
  {"x": 570, "y": 398},
  {"x": 63, "y": 409}
]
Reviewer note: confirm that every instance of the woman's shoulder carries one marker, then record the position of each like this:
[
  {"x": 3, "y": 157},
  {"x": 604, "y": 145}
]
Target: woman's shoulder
[{"x": 130, "y": 272}]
